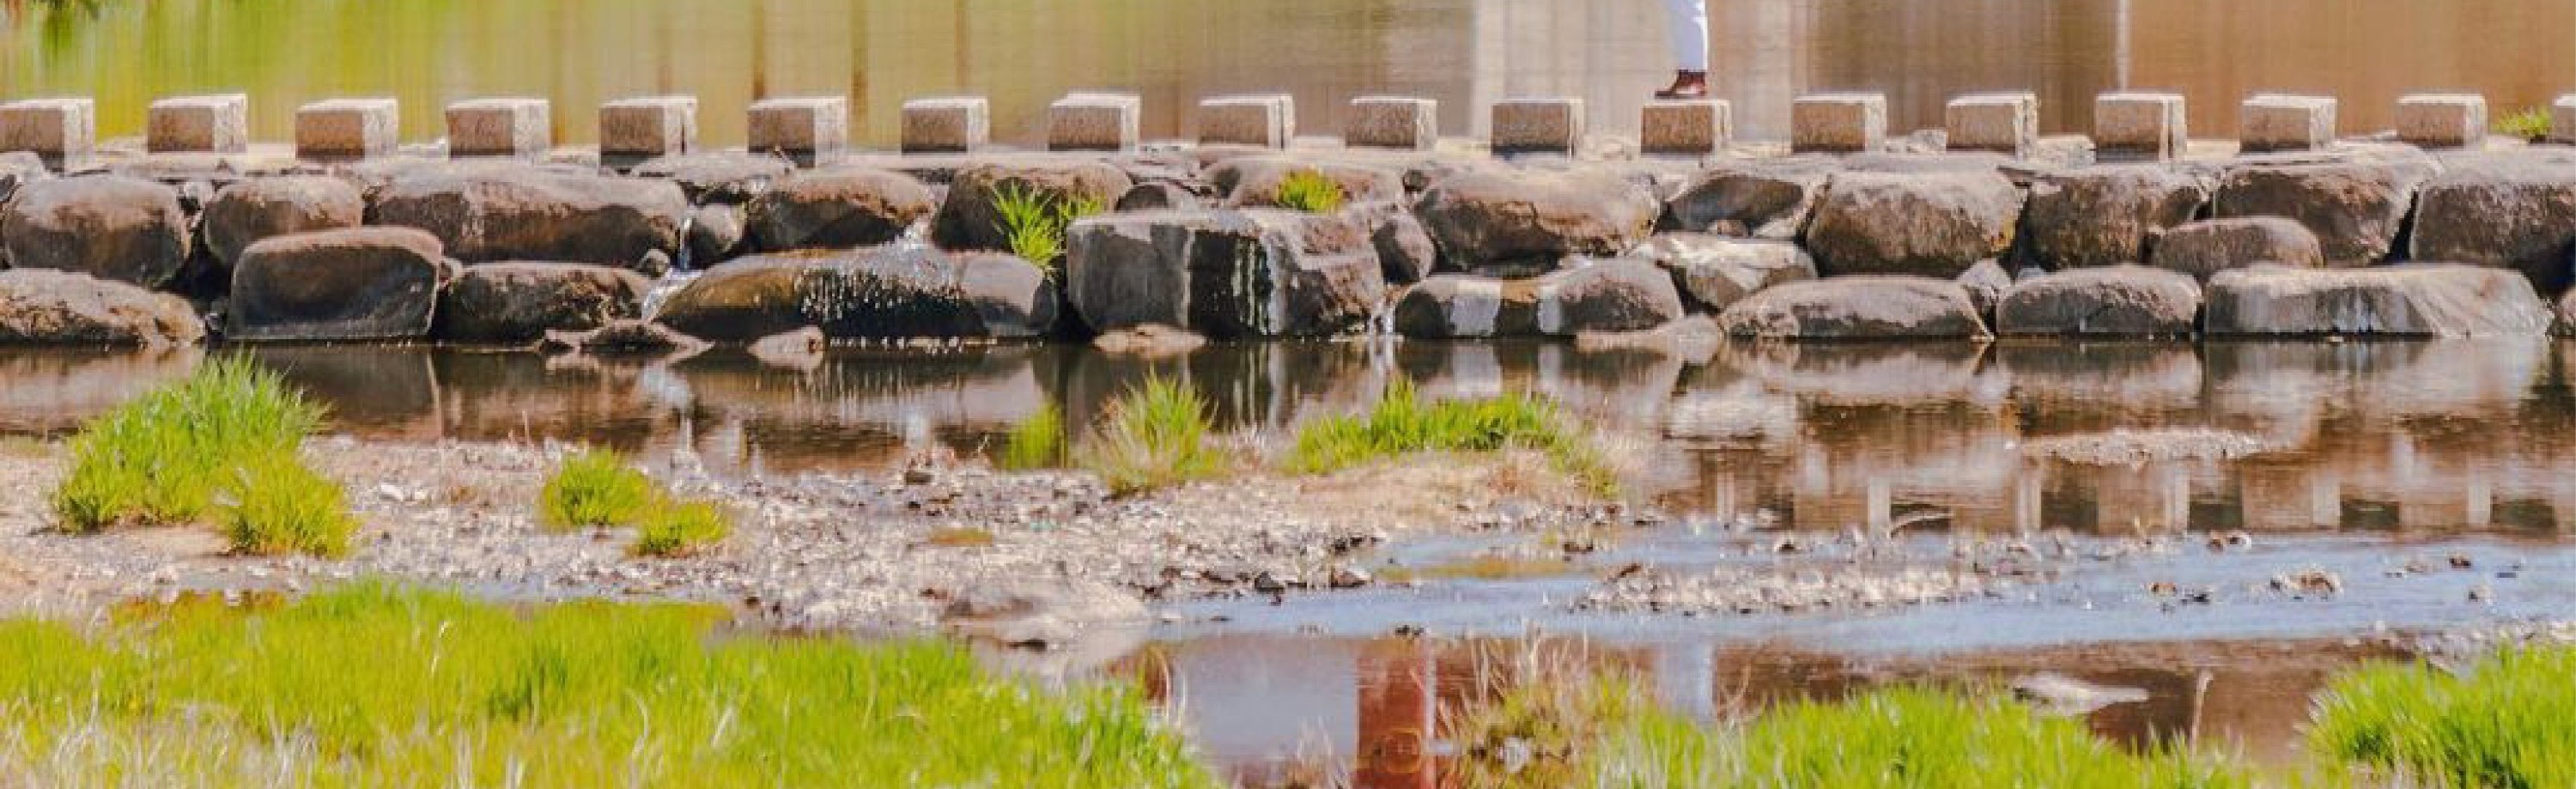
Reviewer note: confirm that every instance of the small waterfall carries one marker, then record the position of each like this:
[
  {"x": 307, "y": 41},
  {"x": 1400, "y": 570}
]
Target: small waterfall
[{"x": 663, "y": 288}]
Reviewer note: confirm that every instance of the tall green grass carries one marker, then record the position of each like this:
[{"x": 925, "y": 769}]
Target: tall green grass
[
  {"x": 378, "y": 686},
  {"x": 163, "y": 458},
  {"x": 678, "y": 529},
  {"x": 1310, "y": 191},
  {"x": 2529, "y": 123},
  {"x": 1034, "y": 220},
  {"x": 595, "y": 487},
  {"x": 2508, "y": 721},
  {"x": 1036, "y": 442},
  {"x": 1155, "y": 435},
  {"x": 280, "y": 506},
  {"x": 1403, "y": 423}
]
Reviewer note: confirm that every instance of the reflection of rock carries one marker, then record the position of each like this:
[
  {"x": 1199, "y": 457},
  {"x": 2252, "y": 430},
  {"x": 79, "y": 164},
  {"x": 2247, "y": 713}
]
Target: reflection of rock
[
  {"x": 1041, "y": 614},
  {"x": 1863, "y": 374},
  {"x": 1858, "y": 307},
  {"x": 2136, "y": 447},
  {"x": 382, "y": 391},
  {"x": 51, "y": 390},
  {"x": 801, "y": 349},
  {"x": 2058, "y": 694},
  {"x": 2414, "y": 300},
  {"x": 2079, "y": 377}
]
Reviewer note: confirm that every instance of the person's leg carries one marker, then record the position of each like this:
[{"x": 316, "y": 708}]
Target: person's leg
[{"x": 1687, "y": 21}]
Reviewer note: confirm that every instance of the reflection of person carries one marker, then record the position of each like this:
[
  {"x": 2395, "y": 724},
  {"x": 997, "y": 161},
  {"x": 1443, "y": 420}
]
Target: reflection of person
[{"x": 1687, "y": 20}]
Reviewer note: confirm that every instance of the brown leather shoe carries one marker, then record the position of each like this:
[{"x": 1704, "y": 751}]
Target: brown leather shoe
[{"x": 1686, "y": 85}]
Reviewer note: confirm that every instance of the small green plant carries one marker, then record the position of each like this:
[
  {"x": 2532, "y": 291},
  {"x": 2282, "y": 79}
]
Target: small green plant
[
  {"x": 2509, "y": 720},
  {"x": 2530, "y": 123},
  {"x": 1034, "y": 221},
  {"x": 1036, "y": 442},
  {"x": 281, "y": 506},
  {"x": 680, "y": 528},
  {"x": 1153, "y": 436},
  {"x": 1913, "y": 736},
  {"x": 164, "y": 457},
  {"x": 1310, "y": 191},
  {"x": 1403, "y": 423},
  {"x": 595, "y": 487}
]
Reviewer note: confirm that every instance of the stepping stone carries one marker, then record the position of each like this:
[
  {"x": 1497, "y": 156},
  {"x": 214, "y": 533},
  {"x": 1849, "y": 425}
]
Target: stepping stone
[
  {"x": 1838, "y": 123},
  {"x": 2005, "y": 123},
  {"x": 61, "y": 131},
  {"x": 521, "y": 128},
  {"x": 635, "y": 129},
  {"x": 1538, "y": 125},
  {"x": 811, "y": 130},
  {"x": 2276, "y": 122},
  {"x": 1266, "y": 120},
  {"x": 1094, "y": 122},
  {"x": 946, "y": 124},
  {"x": 1686, "y": 127},
  {"x": 2442, "y": 120},
  {"x": 217, "y": 123},
  {"x": 1399, "y": 122},
  {"x": 2137, "y": 125},
  {"x": 347, "y": 129}
]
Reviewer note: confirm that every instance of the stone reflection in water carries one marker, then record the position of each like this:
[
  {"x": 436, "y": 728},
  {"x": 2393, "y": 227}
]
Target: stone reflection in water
[{"x": 49, "y": 391}]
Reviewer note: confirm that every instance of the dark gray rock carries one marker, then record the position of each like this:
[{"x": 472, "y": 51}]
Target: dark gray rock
[
  {"x": 719, "y": 177},
  {"x": 258, "y": 208},
  {"x": 2412, "y": 300},
  {"x": 43, "y": 307},
  {"x": 1526, "y": 221},
  {"x": 2134, "y": 301},
  {"x": 521, "y": 301},
  {"x": 1617, "y": 295},
  {"x": 107, "y": 226},
  {"x": 2513, "y": 210},
  {"x": 1713, "y": 272},
  {"x": 877, "y": 293},
  {"x": 2202, "y": 249},
  {"x": 1225, "y": 274},
  {"x": 487, "y": 212},
  {"x": 1766, "y": 198},
  {"x": 2104, "y": 216},
  {"x": 2355, "y": 205},
  {"x": 836, "y": 209},
  {"x": 1865, "y": 307},
  {"x": 968, "y": 219},
  {"x": 1932, "y": 224},
  {"x": 360, "y": 283}
]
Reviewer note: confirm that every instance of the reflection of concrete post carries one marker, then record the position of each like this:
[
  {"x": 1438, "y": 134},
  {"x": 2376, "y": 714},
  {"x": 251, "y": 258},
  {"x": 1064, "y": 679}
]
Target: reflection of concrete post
[
  {"x": 2325, "y": 500},
  {"x": 2026, "y": 485},
  {"x": 1686, "y": 678},
  {"x": 2481, "y": 505},
  {"x": 1882, "y": 506},
  {"x": 2177, "y": 499},
  {"x": 1396, "y": 714}
]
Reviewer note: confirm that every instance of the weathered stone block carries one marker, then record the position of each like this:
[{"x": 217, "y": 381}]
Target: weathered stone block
[
  {"x": 2137, "y": 125},
  {"x": 1094, "y": 122},
  {"x": 506, "y": 127},
  {"x": 2442, "y": 120},
  {"x": 341, "y": 129},
  {"x": 2562, "y": 119},
  {"x": 1688, "y": 127},
  {"x": 1401, "y": 122},
  {"x": 2272, "y": 122},
  {"x": 948, "y": 124},
  {"x": 198, "y": 124},
  {"x": 1266, "y": 120},
  {"x": 1538, "y": 125},
  {"x": 635, "y": 129},
  {"x": 811, "y": 130},
  {"x": 1838, "y": 123},
  {"x": 2005, "y": 123},
  {"x": 61, "y": 131}
]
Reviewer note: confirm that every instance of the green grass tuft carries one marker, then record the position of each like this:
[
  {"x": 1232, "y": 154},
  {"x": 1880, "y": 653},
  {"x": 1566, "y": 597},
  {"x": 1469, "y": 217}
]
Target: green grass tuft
[
  {"x": 2509, "y": 720},
  {"x": 379, "y": 686},
  {"x": 280, "y": 506},
  {"x": 1153, "y": 436},
  {"x": 1034, "y": 221},
  {"x": 675, "y": 529},
  {"x": 595, "y": 488},
  {"x": 1036, "y": 442},
  {"x": 1908, "y": 737},
  {"x": 164, "y": 457},
  {"x": 1310, "y": 191},
  {"x": 1402, "y": 423},
  {"x": 2530, "y": 123}
]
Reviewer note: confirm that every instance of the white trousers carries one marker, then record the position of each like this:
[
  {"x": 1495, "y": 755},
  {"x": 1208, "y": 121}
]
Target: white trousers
[{"x": 1687, "y": 20}]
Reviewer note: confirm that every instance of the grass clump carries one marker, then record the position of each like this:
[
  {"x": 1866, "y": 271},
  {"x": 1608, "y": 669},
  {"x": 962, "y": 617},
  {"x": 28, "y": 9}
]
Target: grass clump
[
  {"x": 380, "y": 686},
  {"x": 595, "y": 487},
  {"x": 280, "y": 506},
  {"x": 164, "y": 457},
  {"x": 2508, "y": 722},
  {"x": 1034, "y": 220},
  {"x": 1910, "y": 737},
  {"x": 680, "y": 529},
  {"x": 1036, "y": 442},
  {"x": 1153, "y": 436},
  {"x": 1310, "y": 191},
  {"x": 2529, "y": 123},
  {"x": 1402, "y": 423}
]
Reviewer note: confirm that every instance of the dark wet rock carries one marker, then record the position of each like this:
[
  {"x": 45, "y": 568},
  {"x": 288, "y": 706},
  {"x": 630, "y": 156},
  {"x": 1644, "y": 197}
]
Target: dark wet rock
[
  {"x": 1405, "y": 252},
  {"x": 361, "y": 283},
  {"x": 1160, "y": 196},
  {"x": 1616, "y": 295},
  {"x": 43, "y": 307},
  {"x": 835, "y": 209},
  {"x": 878, "y": 293},
  {"x": 1041, "y": 613},
  {"x": 107, "y": 226},
  {"x": 2514, "y": 211},
  {"x": 1986, "y": 282},
  {"x": 1226, "y": 273},
  {"x": 1253, "y": 181},
  {"x": 1152, "y": 341},
  {"x": 1526, "y": 221},
  {"x": 715, "y": 234},
  {"x": 2422, "y": 299},
  {"x": 521, "y": 301},
  {"x": 967, "y": 219},
  {"x": 623, "y": 337},
  {"x": 1715, "y": 271},
  {"x": 2104, "y": 300},
  {"x": 488, "y": 212},
  {"x": 2354, "y": 205},
  {"x": 2202, "y": 249},
  {"x": 258, "y": 208},
  {"x": 1859, "y": 307},
  {"x": 1766, "y": 198},
  {"x": 721, "y": 177},
  {"x": 2104, "y": 216},
  {"x": 1931, "y": 224}
]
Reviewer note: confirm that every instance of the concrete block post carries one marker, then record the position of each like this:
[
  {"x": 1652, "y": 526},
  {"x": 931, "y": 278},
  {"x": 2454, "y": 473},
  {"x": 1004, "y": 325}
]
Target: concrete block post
[
  {"x": 633, "y": 130},
  {"x": 1399, "y": 122},
  {"x": 1548, "y": 124},
  {"x": 1267, "y": 120},
  {"x": 218, "y": 123},
  {"x": 812, "y": 130},
  {"x": 1686, "y": 127},
  {"x": 946, "y": 124},
  {"x": 2275, "y": 122},
  {"x": 2562, "y": 120},
  {"x": 61, "y": 131},
  {"x": 2005, "y": 123},
  {"x": 1094, "y": 122},
  {"x": 347, "y": 129},
  {"x": 519, "y": 128},
  {"x": 2442, "y": 120},
  {"x": 1838, "y": 123},
  {"x": 2138, "y": 125}
]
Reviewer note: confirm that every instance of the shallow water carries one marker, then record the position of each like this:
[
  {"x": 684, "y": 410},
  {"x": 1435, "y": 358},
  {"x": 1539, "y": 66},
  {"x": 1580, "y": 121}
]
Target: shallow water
[{"x": 1466, "y": 53}]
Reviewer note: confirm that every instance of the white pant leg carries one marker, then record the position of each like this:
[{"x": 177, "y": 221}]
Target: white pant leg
[{"x": 1687, "y": 21}]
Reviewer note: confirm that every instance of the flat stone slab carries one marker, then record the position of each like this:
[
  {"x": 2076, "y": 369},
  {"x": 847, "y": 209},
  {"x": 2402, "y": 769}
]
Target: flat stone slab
[
  {"x": 1399, "y": 122},
  {"x": 2136, "y": 125},
  {"x": 947, "y": 124},
  {"x": 347, "y": 129},
  {"x": 809, "y": 129},
  {"x": 1686, "y": 127},
  {"x": 2005, "y": 123},
  {"x": 61, "y": 131},
  {"x": 515, "y": 127},
  {"x": 1838, "y": 123},
  {"x": 2442, "y": 120},
  {"x": 646, "y": 127},
  {"x": 1552, "y": 124},
  {"x": 1265, "y": 120},
  {"x": 2272, "y": 122},
  {"x": 218, "y": 123},
  {"x": 1094, "y": 122}
]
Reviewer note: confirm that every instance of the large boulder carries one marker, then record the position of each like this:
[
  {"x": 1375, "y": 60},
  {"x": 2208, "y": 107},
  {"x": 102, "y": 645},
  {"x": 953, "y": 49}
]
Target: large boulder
[
  {"x": 360, "y": 283},
  {"x": 2104, "y": 216},
  {"x": 719, "y": 177},
  {"x": 1249, "y": 273},
  {"x": 2411, "y": 300},
  {"x": 107, "y": 226},
  {"x": 1526, "y": 220},
  {"x": 521, "y": 301},
  {"x": 2105, "y": 300},
  {"x": 42, "y": 307},
  {"x": 489, "y": 212},
  {"x": 1405, "y": 251},
  {"x": 876, "y": 293},
  {"x": 1615, "y": 295},
  {"x": 2202, "y": 249},
  {"x": 1253, "y": 181},
  {"x": 832, "y": 209},
  {"x": 1764, "y": 198},
  {"x": 1869, "y": 307},
  {"x": 1716, "y": 271},
  {"x": 2515, "y": 210},
  {"x": 1931, "y": 224},
  {"x": 970, "y": 218},
  {"x": 2355, "y": 205},
  {"x": 257, "y": 208}
]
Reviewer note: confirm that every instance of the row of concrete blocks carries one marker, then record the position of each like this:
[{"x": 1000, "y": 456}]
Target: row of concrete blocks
[{"x": 2149, "y": 125}]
